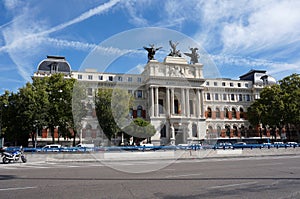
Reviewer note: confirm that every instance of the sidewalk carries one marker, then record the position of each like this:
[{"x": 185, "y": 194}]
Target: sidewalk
[{"x": 159, "y": 155}]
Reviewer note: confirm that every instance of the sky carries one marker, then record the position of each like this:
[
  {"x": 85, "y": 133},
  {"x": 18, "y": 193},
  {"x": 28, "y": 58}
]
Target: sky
[{"x": 237, "y": 36}]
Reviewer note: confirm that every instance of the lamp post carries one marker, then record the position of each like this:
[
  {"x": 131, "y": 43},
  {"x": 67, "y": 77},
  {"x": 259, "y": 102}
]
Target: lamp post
[{"x": 1, "y": 137}]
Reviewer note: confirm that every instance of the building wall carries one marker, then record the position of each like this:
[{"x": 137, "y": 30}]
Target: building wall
[{"x": 173, "y": 95}]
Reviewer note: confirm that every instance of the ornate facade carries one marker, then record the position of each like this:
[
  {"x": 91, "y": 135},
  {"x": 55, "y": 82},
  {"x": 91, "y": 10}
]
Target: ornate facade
[{"x": 174, "y": 96}]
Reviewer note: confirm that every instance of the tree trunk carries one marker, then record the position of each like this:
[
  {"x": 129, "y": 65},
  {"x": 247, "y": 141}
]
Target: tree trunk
[{"x": 74, "y": 138}]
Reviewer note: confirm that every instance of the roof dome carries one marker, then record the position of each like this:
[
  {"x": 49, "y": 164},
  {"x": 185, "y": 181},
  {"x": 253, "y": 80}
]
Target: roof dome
[
  {"x": 268, "y": 80},
  {"x": 54, "y": 64}
]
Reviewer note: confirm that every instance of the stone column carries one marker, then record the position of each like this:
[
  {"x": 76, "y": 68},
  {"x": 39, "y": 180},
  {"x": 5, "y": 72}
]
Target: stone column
[
  {"x": 172, "y": 101},
  {"x": 152, "y": 101},
  {"x": 198, "y": 103},
  {"x": 168, "y": 101},
  {"x": 187, "y": 102},
  {"x": 182, "y": 103},
  {"x": 201, "y": 104},
  {"x": 156, "y": 102}
]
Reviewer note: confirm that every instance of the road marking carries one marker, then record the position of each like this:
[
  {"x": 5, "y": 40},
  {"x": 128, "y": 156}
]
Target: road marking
[
  {"x": 17, "y": 188},
  {"x": 185, "y": 175},
  {"x": 232, "y": 185},
  {"x": 268, "y": 164}
]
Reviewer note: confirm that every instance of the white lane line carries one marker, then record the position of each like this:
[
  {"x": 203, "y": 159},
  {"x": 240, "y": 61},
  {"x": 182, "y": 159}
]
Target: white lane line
[
  {"x": 268, "y": 164},
  {"x": 185, "y": 175},
  {"x": 232, "y": 185},
  {"x": 17, "y": 188}
]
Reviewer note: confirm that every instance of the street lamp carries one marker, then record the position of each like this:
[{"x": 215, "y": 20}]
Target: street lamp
[{"x": 2, "y": 138}]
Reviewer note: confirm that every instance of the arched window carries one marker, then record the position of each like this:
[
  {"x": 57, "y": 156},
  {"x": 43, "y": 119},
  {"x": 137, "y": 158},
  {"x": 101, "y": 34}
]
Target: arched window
[
  {"x": 217, "y": 113},
  {"x": 131, "y": 112},
  {"x": 210, "y": 132},
  {"x": 233, "y": 113},
  {"x": 209, "y": 112},
  {"x": 235, "y": 131},
  {"x": 219, "y": 131},
  {"x": 139, "y": 111},
  {"x": 163, "y": 132},
  {"x": 194, "y": 130},
  {"x": 227, "y": 130},
  {"x": 242, "y": 113},
  {"x": 226, "y": 113},
  {"x": 88, "y": 131}
]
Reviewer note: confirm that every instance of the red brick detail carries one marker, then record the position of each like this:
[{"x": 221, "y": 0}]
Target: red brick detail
[{"x": 44, "y": 133}]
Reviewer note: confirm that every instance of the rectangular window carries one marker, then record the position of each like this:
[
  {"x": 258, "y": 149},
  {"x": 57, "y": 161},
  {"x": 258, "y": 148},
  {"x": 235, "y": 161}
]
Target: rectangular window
[
  {"x": 239, "y": 84},
  {"x": 240, "y": 97},
  {"x": 161, "y": 106},
  {"x": 110, "y": 78},
  {"x": 129, "y": 79},
  {"x": 215, "y": 83},
  {"x": 90, "y": 77},
  {"x": 191, "y": 107},
  {"x": 120, "y": 78},
  {"x": 223, "y": 83},
  {"x": 246, "y": 85},
  {"x": 139, "y": 79},
  {"x": 232, "y": 97},
  {"x": 224, "y": 96},
  {"x": 79, "y": 76},
  {"x": 207, "y": 83},
  {"x": 100, "y": 77},
  {"x": 216, "y": 96},
  {"x": 248, "y": 97},
  {"x": 231, "y": 84},
  {"x": 208, "y": 96},
  {"x": 90, "y": 91},
  {"x": 139, "y": 94}
]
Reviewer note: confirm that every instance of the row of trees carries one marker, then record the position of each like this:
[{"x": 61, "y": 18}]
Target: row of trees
[
  {"x": 55, "y": 101},
  {"x": 45, "y": 103},
  {"x": 278, "y": 106}
]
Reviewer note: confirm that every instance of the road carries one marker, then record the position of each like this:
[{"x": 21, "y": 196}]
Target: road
[{"x": 260, "y": 177}]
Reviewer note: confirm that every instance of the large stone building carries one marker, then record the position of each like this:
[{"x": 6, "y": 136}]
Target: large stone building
[{"x": 174, "y": 96}]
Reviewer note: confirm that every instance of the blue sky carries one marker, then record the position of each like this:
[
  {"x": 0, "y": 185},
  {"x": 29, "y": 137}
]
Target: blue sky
[{"x": 237, "y": 35}]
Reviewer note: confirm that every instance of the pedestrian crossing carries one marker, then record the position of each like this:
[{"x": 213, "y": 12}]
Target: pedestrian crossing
[{"x": 46, "y": 165}]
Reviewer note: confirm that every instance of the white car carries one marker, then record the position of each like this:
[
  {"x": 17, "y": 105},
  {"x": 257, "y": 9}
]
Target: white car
[
  {"x": 50, "y": 148},
  {"x": 146, "y": 147}
]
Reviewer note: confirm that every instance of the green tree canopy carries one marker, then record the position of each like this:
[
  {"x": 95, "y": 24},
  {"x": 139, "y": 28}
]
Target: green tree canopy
[
  {"x": 112, "y": 110},
  {"x": 140, "y": 129}
]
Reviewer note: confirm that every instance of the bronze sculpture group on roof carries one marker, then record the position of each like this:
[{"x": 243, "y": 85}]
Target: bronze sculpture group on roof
[{"x": 173, "y": 52}]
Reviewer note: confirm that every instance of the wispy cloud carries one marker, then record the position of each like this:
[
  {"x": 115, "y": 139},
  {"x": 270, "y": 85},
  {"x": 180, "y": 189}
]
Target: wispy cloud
[
  {"x": 24, "y": 38},
  {"x": 273, "y": 67}
]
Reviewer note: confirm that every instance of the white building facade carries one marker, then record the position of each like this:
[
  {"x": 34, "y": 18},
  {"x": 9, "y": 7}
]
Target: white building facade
[{"x": 173, "y": 95}]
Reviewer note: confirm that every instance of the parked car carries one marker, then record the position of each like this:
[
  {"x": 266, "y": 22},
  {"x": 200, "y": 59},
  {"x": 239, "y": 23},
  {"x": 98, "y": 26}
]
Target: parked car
[
  {"x": 291, "y": 144},
  {"x": 143, "y": 147},
  {"x": 224, "y": 145},
  {"x": 50, "y": 148},
  {"x": 240, "y": 145},
  {"x": 85, "y": 145}
]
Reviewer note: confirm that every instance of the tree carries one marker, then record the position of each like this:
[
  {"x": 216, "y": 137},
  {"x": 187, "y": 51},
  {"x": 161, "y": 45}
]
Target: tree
[
  {"x": 59, "y": 114},
  {"x": 140, "y": 129},
  {"x": 278, "y": 105},
  {"x": 78, "y": 108},
  {"x": 290, "y": 86},
  {"x": 112, "y": 110}
]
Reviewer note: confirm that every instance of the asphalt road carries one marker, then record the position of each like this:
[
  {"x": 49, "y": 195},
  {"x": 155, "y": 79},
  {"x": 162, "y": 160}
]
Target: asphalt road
[{"x": 263, "y": 177}]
